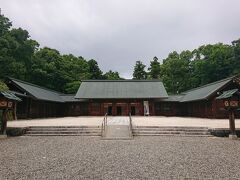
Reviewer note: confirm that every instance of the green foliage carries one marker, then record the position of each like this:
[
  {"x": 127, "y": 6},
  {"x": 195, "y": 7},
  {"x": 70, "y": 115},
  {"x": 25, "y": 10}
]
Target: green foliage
[
  {"x": 139, "y": 71},
  {"x": 94, "y": 70},
  {"x": 5, "y": 25},
  {"x": 3, "y": 87},
  {"x": 175, "y": 71},
  {"x": 203, "y": 65},
  {"x": 236, "y": 56},
  {"x": 110, "y": 75},
  {"x": 190, "y": 69},
  {"x": 154, "y": 69},
  {"x": 72, "y": 87}
]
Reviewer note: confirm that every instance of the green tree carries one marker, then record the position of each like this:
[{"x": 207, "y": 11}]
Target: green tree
[
  {"x": 211, "y": 63},
  {"x": 139, "y": 71},
  {"x": 5, "y": 25},
  {"x": 16, "y": 50},
  {"x": 94, "y": 70},
  {"x": 72, "y": 87},
  {"x": 236, "y": 56},
  {"x": 175, "y": 72},
  {"x": 154, "y": 69},
  {"x": 3, "y": 86},
  {"x": 110, "y": 75}
]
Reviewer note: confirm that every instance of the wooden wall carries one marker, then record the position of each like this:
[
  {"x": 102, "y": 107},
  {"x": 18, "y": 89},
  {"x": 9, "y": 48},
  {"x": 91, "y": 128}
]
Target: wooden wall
[
  {"x": 30, "y": 109},
  {"x": 167, "y": 108},
  {"x": 100, "y": 107},
  {"x": 76, "y": 109},
  {"x": 202, "y": 109}
]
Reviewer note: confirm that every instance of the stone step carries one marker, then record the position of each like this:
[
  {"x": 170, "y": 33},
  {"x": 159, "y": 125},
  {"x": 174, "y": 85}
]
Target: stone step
[
  {"x": 61, "y": 132},
  {"x": 183, "y": 135},
  {"x": 170, "y": 132},
  {"x": 92, "y": 134},
  {"x": 169, "y": 129},
  {"x": 56, "y": 127},
  {"x": 64, "y": 129}
]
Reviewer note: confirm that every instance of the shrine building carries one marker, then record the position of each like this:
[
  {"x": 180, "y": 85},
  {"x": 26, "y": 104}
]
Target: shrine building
[{"x": 121, "y": 97}]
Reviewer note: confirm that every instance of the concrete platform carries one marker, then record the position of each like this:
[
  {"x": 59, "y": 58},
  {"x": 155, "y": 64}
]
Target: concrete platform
[
  {"x": 136, "y": 120},
  {"x": 117, "y": 132}
]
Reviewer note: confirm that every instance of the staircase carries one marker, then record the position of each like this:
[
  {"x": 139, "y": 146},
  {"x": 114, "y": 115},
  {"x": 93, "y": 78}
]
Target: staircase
[
  {"x": 63, "y": 131},
  {"x": 171, "y": 131},
  {"x": 117, "y": 128}
]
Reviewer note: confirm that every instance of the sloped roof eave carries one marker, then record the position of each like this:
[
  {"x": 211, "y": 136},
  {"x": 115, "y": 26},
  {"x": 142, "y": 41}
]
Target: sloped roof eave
[{"x": 222, "y": 83}]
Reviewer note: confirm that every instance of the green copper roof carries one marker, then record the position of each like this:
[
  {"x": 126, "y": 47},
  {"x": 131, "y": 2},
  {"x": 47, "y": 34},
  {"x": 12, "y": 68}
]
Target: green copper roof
[
  {"x": 121, "y": 89},
  {"x": 42, "y": 93},
  {"x": 10, "y": 95},
  {"x": 173, "y": 98},
  {"x": 205, "y": 91},
  {"x": 202, "y": 92},
  {"x": 227, "y": 94}
]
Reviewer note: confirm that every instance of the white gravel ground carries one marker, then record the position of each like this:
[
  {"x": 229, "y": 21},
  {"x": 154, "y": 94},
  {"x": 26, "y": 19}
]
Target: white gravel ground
[{"x": 141, "y": 158}]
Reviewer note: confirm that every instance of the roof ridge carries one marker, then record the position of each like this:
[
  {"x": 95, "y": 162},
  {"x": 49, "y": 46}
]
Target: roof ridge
[
  {"x": 35, "y": 85},
  {"x": 215, "y": 82}
]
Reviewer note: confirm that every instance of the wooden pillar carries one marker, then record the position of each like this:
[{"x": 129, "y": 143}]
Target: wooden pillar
[
  {"x": 232, "y": 122},
  {"x": 90, "y": 108},
  {"x": 1, "y": 122},
  {"x": 128, "y": 107},
  {"x": 153, "y": 108},
  {"x": 4, "y": 122},
  {"x": 15, "y": 111},
  {"x": 29, "y": 108},
  {"x": 232, "y": 134}
]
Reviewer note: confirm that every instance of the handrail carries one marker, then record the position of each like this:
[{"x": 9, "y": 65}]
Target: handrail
[
  {"x": 104, "y": 124},
  {"x": 130, "y": 125}
]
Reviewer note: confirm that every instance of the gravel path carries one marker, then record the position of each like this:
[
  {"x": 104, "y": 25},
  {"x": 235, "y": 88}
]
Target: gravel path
[{"x": 141, "y": 158}]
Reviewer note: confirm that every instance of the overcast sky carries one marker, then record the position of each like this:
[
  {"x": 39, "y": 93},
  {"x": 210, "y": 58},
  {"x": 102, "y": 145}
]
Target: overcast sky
[{"x": 117, "y": 33}]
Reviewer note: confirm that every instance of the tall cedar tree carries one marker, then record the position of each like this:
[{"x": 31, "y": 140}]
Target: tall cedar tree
[
  {"x": 154, "y": 69},
  {"x": 139, "y": 71}
]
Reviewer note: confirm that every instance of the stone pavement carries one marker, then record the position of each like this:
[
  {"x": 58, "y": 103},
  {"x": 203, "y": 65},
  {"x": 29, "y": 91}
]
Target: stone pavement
[
  {"x": 118, "y": 120},
  {"x": 137, "y": 121},
  {"x": 118, "y": 128},
  {"x": 182, "y": 121}
]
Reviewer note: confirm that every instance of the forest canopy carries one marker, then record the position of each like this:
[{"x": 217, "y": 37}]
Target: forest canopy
[{"x": 21, "y": 57}]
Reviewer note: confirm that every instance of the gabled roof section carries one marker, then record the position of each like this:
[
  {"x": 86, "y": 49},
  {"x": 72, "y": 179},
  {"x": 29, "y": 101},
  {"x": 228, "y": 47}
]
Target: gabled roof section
[
  {"x": 41, "y": 93},
  {"x": 228, "y": 94},
  {"x": 121, "y": 89},
  {"x": 204, "y": 92},
  {"x": 37, "y": 92},
  {"x": 10, "y": 95}
]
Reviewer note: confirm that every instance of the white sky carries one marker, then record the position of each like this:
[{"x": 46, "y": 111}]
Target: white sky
[{"x": 117, "y": 33}]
